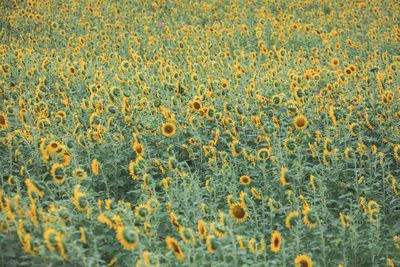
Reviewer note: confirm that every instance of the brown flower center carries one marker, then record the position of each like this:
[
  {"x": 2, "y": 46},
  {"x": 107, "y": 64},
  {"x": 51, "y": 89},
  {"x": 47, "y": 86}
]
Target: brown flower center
[
  {"x": 168, "y": 129},
  {"x": 300, "y": 122},
  {"x": 239, "y": 212}
]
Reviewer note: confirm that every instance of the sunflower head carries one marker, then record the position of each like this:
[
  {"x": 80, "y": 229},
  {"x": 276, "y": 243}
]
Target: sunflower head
[
  {"x": 276, "y": 242},
  {"x": 245, "y": 180},
  {"x": 303, "y": 261},
  {"x": 168, "y": 129},
  {"x": 300, "y": 122},
  {"x": 238, "y": 212}
]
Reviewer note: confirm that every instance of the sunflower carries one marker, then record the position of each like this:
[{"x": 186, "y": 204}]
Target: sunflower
[
  {"x": 196, "y": 105},
  {"x": 306, "y": 217},
  {"x": 218, "y": 229},
  {"x": 127, "y": 237},
  {"x": 255, "y": 193},
  {"x": 95, "y": 167},
  {"x": 263, "y": 154},
  {"x": 138, "y": 148},
  {"x": 282, "y": 178},
  {"x": 80, "y": 174},
  {"x": 353, "y": 129},
  {"x": 335, "y": 62},
  {"x": 396, "y": 150},
  {"x": 201, "y": 229},
  {"x": 303, "y": 261},
  {"x": 187, "y": 235},
  {"x": 245, "y": 180},
  {"x": 300, "y": 122},
  {"x": 168, "y": 129},
  {"x": 132, "y": 171},
  {"x": 141, "y": 211},
  {"x": 3, "y": 121},
  {"x": 238, "y": 212},
  {"x": 276, "y": 242},
  {"x": 57, "y": 173},
  {"x": 174, "y": 220},
  {"x": 211, "y": 244},
  {"x": 289, "y": 217},
  {"x": 256, "y": 248},
  {"x": 71, "y": 70},
  {"x": 174, "y": 246},
  {"x": 53, "y": 147}
]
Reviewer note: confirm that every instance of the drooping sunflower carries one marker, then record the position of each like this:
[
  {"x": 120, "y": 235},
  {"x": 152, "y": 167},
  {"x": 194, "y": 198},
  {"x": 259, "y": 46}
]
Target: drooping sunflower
[
  {"x": 303, "y": 261},
  {"x": 168, "y": 129},
  {"x": 238, "y": 212},
  {"x": 174, "y": 246},
  {"x": 300, "y": 122},
  {"x": 276, "y": 242},
  {"x": 245, "y": 180},
  {"x": 58, "y": 173},
  {"x": 3, "y": 121}
]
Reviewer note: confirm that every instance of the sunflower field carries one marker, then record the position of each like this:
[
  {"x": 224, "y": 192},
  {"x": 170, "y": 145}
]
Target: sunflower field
[{"x": 199, "y": 133}]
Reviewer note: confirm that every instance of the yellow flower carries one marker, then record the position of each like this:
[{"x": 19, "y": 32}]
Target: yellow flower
[
  {"x": 306, "y": 219},
  {"x": 373, "y": 210},
  {"x": 289, "y": 217},
  {"x": 95, "y": 167},
  {"x": 238, "y": 212},
  {"x": 103, "y": 219},
  {"x": 263, "y": 154},
  {"x": 282, "y": 178},
  {"x": 211, "y": 244},
  {"x": 58, "y": 173},
  {"x": 168, "y": 129},
  {"x": 390, "y": 262},
  {"x": 141, "y": 211},
  {"x": 245, "y": 180},
  {"x": 127, "y": 237},
  {"x": 300, "y": 122},
  {"x": 201, "y": 229},
  {"x": 80, "y": 174},
  {"x": 256, "y": 248},
  {"x": 3, "y": 121},
  {"x": 79, "y": 199},
  {"x": 255, "y": 193},
  {"x": 187, "y": 235},
  {"x": 174, "y": 246},
  {"x": 174, "y": 220},
  {"x": 303, "y": 261},
  {"x": 396, "y": 150},
  {"x": 276, "y": 242}
]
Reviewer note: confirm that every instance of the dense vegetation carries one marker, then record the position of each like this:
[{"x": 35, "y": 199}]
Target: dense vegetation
[{"x": 199, "y": 133}]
